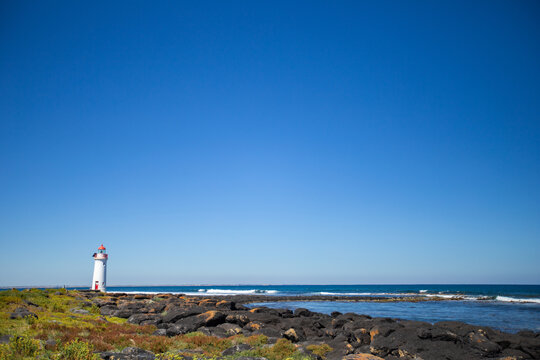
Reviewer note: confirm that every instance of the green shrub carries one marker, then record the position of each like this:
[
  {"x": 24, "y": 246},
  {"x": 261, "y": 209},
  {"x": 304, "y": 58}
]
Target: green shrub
[
  {"x": 77, "y": 350},
  {"x": 320, "y": 350},
  {"x": 30, "y": 320},
  {"x": 256, "y": 340},
  {"x": 5, "y": 352},
  {"x": 24, "y": 346}
]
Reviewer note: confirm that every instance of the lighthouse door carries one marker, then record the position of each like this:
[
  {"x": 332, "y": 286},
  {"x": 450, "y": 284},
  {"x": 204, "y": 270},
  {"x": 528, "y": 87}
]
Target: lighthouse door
[{"x": 97, "y": 284}]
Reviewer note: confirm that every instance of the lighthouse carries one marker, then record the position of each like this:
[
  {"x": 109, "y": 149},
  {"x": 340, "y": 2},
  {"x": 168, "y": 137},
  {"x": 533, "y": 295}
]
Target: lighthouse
[{"x": 99, "y": 282}]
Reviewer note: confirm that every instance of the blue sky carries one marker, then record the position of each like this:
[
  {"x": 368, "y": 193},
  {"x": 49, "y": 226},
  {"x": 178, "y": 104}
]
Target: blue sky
[{"x": 270, "y": 142}]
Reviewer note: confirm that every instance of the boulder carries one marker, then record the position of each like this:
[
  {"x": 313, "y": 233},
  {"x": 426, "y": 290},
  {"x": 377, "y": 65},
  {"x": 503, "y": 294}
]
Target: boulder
[
  {"x": 293, "y": 335},
  {"x": 21, "y": 313},
  {"x": 285, "y": 313},
  {"x": 157, "y": 307},
  {"x": 231, "y": 329},
  {"x": 4, "y": 339},
  {"x": 269, "y": 332},
  {"x": 437, "y": 334},
  {"x": 186, "y": 325},
  {"x": 80, "y": 311},
  {"x": 175, "y": 315},
  {"x": 131, "y": 305},
  {"x": 129, "y": 353},
  {"x": 253, "y": 326},
  {"x": 123, "y": 313},
  {"x": 361, "y": 337},
  {"x": 239, "y": 319},
  {"x": 174, "y": 330},
  {"x": 144, "y": 319},
  {"x": 108, "y": 310},
  {"x": 213, "y": 331},
  {"x": 138, "y": 354},
  {"x": 236, "y": 349},
  {"x": 212, "y": 318},
  {"x": 303, "y": 312},
  {"x": 160, "y": 332},
  {"x": 265, "y": 318},
  {"x": 479, "y": 340},
  {"x": 226, "y": 305}
]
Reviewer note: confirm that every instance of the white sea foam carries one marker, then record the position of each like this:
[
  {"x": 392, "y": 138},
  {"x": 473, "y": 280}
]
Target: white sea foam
[
  {"x": 358, "y": 294},
  {"x": 519, "y": 300},
  {"x": 422, "y": 291},
  {"x": 233, "y": 292}
]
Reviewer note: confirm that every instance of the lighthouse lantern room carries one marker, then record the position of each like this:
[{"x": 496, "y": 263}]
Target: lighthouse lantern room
[{"x": 99, "y": 282}]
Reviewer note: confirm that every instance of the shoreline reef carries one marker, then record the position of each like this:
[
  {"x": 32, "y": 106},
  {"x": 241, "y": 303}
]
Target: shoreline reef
[{"x": 81, "y": 325}]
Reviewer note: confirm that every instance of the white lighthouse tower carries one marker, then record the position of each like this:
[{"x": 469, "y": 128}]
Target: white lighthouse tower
[{"x": 99, "y": 282}]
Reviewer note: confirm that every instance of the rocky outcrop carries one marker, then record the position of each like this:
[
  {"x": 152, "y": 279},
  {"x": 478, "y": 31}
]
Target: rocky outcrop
[
  {"x": 129, "y": 353},
  {"x": 21, "y": 313},
  {"x": 351, "y": 336}
]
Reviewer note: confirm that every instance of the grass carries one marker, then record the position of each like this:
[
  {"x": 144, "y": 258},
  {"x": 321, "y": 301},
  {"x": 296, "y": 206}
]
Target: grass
[{"x": 59, "y": 334}]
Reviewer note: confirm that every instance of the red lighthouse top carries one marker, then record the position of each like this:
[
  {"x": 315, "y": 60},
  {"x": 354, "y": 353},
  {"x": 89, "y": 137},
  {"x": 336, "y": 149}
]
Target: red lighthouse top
[{"x": 101, "y": 247}]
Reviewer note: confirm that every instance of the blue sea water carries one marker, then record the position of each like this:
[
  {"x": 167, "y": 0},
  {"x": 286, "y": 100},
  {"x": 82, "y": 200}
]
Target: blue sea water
[{"x": 505, "y": 307}]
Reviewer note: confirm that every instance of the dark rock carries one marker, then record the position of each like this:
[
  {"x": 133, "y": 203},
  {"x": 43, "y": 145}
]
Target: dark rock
[
  {"x": 479, "y": 340},
  {"x": 291, "y": 335},
  {"x": 129, "y": 353},
  {"x": 50, "y": 344},
  {"x": 253, "y": 326},
  {"x": 338, "y": 322},
  {"x": 144, "y": 319},
  {"x": 437, "y": 334},
  {"x": 212, "y": 331},
  {"x": 174, "y": 330},
  {"x": 138, "y": 354},
  {"x": 265, "y": 318},
  {"x": 131, "y": 305},
  {"x": 21, "y": 313},
  {"x": 28, "y": 302},
  {"x": 302, "y": 312},
  {"x": 239, "y": 319},
  {"x": 160, "y": 332},
  {"x": 226, "y": 305},
  {"x": 4, "y": 339},
  {"x": 122, "y": 313},
  {"x": 231, "y": 329},
  {"x": 527, "y": 333},
  {"x": 188, "y": 324},
  {"x": 103, "y": 302},
  {"x": 108, "y": 310},
  {"x": 361, "y": 337},
  {"x": 157, "y": 307},
  {"x": 269, "y": 332},
  {"x": 236, "y": 349},
  {"x": 80, "y": 311},
  {"x": 174, "y": 316},
  {"x": 285, "y": 313},
  {"x": 212, "y": 318}
]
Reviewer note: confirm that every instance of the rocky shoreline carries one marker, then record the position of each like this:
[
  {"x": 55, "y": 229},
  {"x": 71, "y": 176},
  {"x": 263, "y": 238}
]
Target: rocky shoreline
[{"x": 351, "y": 336}]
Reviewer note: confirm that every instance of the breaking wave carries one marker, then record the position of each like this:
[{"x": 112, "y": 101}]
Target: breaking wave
[
  {"x": 236, "y": 292},
  {"x": 511, "y": 299}
]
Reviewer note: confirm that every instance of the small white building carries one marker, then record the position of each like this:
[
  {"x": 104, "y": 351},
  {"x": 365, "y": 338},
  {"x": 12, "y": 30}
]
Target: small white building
[{"x": 99, "y": 282}]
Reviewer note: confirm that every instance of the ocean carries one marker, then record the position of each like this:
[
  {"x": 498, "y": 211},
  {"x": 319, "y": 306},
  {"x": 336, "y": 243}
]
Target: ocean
[{"x": 509, "y": 308}]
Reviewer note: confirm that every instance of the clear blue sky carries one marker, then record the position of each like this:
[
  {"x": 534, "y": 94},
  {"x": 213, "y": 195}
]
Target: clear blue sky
[{"x": 270, "y": 142}]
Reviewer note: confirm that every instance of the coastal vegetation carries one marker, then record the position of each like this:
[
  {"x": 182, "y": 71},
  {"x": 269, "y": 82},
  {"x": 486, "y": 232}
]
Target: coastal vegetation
[
  {"x": 60, "y": 324},
  {"x": 86, "y": 325}
]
